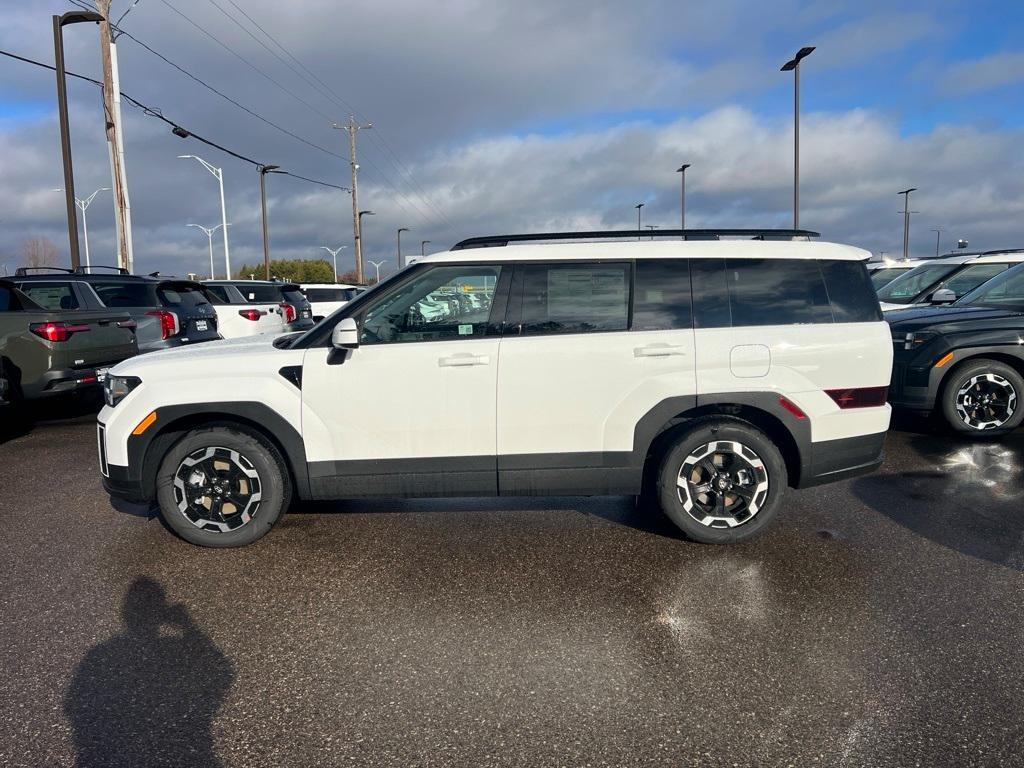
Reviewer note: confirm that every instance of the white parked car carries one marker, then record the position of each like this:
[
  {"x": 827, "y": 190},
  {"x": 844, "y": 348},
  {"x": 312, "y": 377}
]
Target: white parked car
[
  {"x": 328, "y": 298},
  {"x": 237, "y": 317},
  {"x": 709, "y": 375},
  {"x": 884, "y": 272},
  {"x": 944, "y": 280}
]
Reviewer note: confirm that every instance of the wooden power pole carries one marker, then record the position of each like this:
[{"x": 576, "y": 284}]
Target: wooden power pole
[
  {"x": 353, "y": 128},
  {"x": 115, "y": 138}
]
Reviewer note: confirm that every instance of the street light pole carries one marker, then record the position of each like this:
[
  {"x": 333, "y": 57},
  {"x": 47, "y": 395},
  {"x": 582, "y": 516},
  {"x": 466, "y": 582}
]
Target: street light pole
[
  {"x": 423, "y": 247},
  {"x": 218, "y": 173},
  {"x": 400, "y": 231},
  {"x": 209, "y": 236},
  {"x": 681, "y": 170},
  {"x": 906, "y": 220},
  {"x": 264, "y": 170},
  {"x": 83, "y": 206},
  {"x": 360, "y": 277},
  {"x": 376, "y": 265},
  {"x": 334, "y": 256},
  {"x": 938, "y": 237},
  {"x": 794, "y": 65},
  {"x": 651, "y": 227},
  {"x": 639, "y": 209},
  {"x": 59, "y": 22}
]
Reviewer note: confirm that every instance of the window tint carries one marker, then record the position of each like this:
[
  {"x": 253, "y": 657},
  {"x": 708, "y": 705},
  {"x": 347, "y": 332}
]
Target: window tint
[
  {"x": 710, "y": 295},
  {"x": 575, "y": 298},
  {"x": 124, "y": 294},
  {"x": 51, "y": 295},
  {"x": 970, "y": 277},
  {"x": 882, "y": 277},
  {"x": 776, "y": 292},
  {"x": 329, "y": 294},
  {"x": 850, "y": 292},
  {"x": 295, "y": 296},
  {"x": 180, "y": 296},
  {"x": 6, "y": 305},
  {"x": 220, "y": 292},
  {"x": 908, "y": 286},
  {"x": 260, "y": 293},
  {"x": 1004, "y": 292},
  {"x": 440, "y": 303},
  {"x": 661, "y": 298}
]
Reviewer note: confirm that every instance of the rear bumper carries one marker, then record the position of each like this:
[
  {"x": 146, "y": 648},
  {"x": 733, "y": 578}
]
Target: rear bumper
[
  {"x": 59, "y": 382},
  {"x": 833, "y": 460}
]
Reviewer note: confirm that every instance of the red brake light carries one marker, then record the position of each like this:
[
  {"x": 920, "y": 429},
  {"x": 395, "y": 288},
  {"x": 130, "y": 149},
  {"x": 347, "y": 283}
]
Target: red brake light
[
  {"x": 251, "y": 314},
  {"x": 168, "y": 322},
  {"x": 861, "y": 397},
  {"x": 792, "y": 407},
  {"x": 56, "y": 331},
  {"x": 288, "y": 310}
]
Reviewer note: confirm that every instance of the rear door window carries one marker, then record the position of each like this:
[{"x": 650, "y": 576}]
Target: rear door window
[
  {"x": 850, "y": 292},
  {"x": 124, "y": 294},
  {"x": 970, "y": 277},
  {"x": 56, "y": 295},
  {"x": 661, "y": 296},
  {"x": 574, "y": 298}
]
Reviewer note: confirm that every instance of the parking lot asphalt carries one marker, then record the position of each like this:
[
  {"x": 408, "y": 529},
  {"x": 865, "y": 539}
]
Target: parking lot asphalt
[{"x": 879, "y": 622}]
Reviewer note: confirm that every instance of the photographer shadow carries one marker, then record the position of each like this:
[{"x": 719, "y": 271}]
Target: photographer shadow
[{"x": 148, "y": 696}]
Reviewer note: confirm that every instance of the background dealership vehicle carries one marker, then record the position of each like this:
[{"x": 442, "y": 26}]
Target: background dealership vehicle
[
  {"x": 169, "y": 312},
  {"x": 569, "y": 368},
  {"x": 47, "y": 352},
  {"x": 237, "y": 317},
  {"x": 884, "y": 272},
  {"x": 327, "y": 298},
  {"x": 944, "y": 280},
  {"x": 964, "y": 362},
  {"x": 286, "y": 299}
]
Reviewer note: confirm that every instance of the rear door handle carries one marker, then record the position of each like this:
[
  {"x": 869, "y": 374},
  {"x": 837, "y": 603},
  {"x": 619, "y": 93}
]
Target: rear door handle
[
  {"x": 659, "y": 350},
  {"x": 464, "y": 359}
]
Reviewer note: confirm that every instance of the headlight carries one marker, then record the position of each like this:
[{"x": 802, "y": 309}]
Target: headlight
[
  {"x": 916, "y": 339},
  {"x": 116, "y": 388}
]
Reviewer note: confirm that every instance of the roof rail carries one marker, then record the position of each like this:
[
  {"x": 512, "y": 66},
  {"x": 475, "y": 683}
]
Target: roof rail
[
  {"x": 23, "y": 271},
  {"x": 88, "y": 269},
  {"x": 491, "y": 241},
  {"x": 1001, "y": 251}
]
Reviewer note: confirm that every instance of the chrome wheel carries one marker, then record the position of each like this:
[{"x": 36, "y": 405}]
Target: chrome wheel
[
  {"x": 986, "y": 401},
  {"x": 217, "y": 489},
  {"x": 722, "y": 484}
]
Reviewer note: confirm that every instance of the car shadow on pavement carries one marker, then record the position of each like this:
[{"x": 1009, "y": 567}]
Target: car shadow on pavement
[
  {"x": 18, "y": 419},
  {"x": 969, "y": 497},
  {"x": 148, "y": 696}
]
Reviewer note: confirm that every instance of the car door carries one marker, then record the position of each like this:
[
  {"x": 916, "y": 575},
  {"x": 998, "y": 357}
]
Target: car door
[
  {"x": 411, "y": 411},
  {"x": 576, "y": 379}
]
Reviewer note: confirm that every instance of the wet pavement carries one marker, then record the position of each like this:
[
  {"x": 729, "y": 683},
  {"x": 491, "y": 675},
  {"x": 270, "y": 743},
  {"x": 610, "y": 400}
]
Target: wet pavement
[{"x": 879, "y": 622}]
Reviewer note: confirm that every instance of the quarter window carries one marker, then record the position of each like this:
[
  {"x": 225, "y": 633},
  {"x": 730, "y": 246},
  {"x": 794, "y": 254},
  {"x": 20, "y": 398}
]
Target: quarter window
[
  {"x": 662, "y": 295},
  {"x": 776, "y": 292},
  {"x": 51, "y": 295},
  {"x": 850, "y": 292},
  {"x": 574, "y": 298},
  {"x": 440, "y": 303}
]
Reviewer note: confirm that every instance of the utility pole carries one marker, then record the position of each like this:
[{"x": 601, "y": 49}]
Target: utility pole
[
  {"x": 906, "y": 221},
  {"x": 353, "y": 128},
  {"x": 938, "y": 237},
  {"x": 400, "y": 231},
  {"x": 115, "y": 137},
  {"x": 793, "y": 65},
  {"x": 681, "y": 170}
]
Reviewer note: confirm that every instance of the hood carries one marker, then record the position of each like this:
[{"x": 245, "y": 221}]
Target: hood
[
  {"x": 244, "y": 353},
  {"x": 947, "y": 317}
]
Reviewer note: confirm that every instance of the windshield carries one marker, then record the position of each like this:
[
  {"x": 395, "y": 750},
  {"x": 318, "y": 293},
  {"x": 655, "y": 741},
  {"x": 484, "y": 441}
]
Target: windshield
[
  {"x": 180, "y": 295},
  {"x": 1003, "y": 292},
  {"x": 882, "y": 277},
  {"x": 908, "y": 286}
]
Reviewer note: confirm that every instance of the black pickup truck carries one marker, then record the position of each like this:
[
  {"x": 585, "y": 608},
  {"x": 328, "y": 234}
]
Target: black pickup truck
[
  {"x": 964, "y": 361},
  {"x": 46, "y": 352}
]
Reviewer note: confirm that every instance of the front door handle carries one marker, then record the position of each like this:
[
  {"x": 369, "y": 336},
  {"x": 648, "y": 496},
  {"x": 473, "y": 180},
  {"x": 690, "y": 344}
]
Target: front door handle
[
  {"x": 464, "y": 359},
  {"x": 659, "y": 350}
]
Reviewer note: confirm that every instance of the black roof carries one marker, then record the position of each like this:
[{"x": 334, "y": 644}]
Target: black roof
[{"x": 490, "y": 241}]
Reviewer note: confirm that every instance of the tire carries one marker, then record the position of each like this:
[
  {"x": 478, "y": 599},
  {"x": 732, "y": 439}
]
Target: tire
[
  {"x": 751, "y": 471},
  {"x": 983, "y": 398},
  {"x": 239, "y": 473}
]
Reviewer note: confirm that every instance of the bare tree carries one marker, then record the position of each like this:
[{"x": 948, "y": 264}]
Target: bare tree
[{"x": 39, "y": 252}]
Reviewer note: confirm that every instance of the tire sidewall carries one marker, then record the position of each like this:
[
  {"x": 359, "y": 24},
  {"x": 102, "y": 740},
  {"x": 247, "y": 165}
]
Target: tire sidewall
[
  {"x": 960, "y": 376},
  {"x": 274, "y": 483},
  {"x": 705, "y": 431}
]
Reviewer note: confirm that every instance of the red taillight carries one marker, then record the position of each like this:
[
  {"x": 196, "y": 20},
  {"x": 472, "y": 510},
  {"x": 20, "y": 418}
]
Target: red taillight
[
  {"x": 56, "y": 331},
  {"x": 288, "y": 310},
  {"x": 251, "y": 314},
  {"x": 168, "y": 322},
  {"x": 861, "y": 397},
  {"x": 792, "y": 407}
]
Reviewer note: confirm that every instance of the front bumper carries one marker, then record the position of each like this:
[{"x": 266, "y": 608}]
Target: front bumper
[
  {"x": 914, "y": 387},
  {"x": 121, "y": 484},
  {"x": 833, "y": 460}
]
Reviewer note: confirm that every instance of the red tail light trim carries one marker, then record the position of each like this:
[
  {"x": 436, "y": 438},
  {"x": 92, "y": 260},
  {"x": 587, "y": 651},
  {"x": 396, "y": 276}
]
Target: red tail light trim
[
  {"x": 251, "y": 314},
  {"x": 168, "y": 322},
  {"x": 859, "y": 397},
  {"x": 289, "y": 312},
  {"x": 56, "y": 331},
  {"x": 792, "y": 407}
]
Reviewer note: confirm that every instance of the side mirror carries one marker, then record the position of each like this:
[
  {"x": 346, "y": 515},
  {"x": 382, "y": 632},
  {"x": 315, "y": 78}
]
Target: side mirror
[
  {"x": 943, "y": 296},
  {"x": 345, "y": 334}
]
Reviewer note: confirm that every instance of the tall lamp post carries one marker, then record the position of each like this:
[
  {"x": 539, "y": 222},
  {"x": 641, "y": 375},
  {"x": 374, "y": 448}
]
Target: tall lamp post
[
  {"x": 377, "y": 265},
  {"x": 794, "y": 66},
  {"x": 639, "y": 209},
  {"x": 400, "y": 231},
  {"x": 938, "y": 238},
  {"x": 59, "y": 22},
  {"x": 264, "y": 170},
  {"x": 359, "y": 248},
  {"x": 334, "y": 256},
  {"x": 209, "y": 236},
  {"x": 423, "y": 247},
  {"x": 681, "y": 170},
  {"x": 83, "y": 206},
  {"x": 218, "y": 174},
  {"x": 906, "y": 220}
]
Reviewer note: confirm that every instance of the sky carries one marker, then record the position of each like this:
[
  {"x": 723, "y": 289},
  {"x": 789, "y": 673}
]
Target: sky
[{"x": 492, "y": 116}]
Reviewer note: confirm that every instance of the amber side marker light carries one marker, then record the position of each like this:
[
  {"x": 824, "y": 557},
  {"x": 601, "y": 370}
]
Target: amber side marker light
[
  {"x": 944, "y": 359},
  {"x": 145, "y": 424}
]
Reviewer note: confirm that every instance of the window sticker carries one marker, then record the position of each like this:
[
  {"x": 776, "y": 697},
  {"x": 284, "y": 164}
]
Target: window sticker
[{"x": 465, "y": 329}]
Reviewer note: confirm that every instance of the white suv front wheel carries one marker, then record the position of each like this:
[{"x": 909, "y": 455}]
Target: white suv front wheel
[{"x": 721, "y": 481}]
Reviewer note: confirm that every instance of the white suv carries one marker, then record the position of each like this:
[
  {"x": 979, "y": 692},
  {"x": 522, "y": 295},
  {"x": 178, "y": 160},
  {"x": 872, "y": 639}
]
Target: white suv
[{"x": 706, "y": 374}]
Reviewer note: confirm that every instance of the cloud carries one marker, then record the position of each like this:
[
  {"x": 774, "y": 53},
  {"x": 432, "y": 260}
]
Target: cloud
[{"x": 993, "y": 71}]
